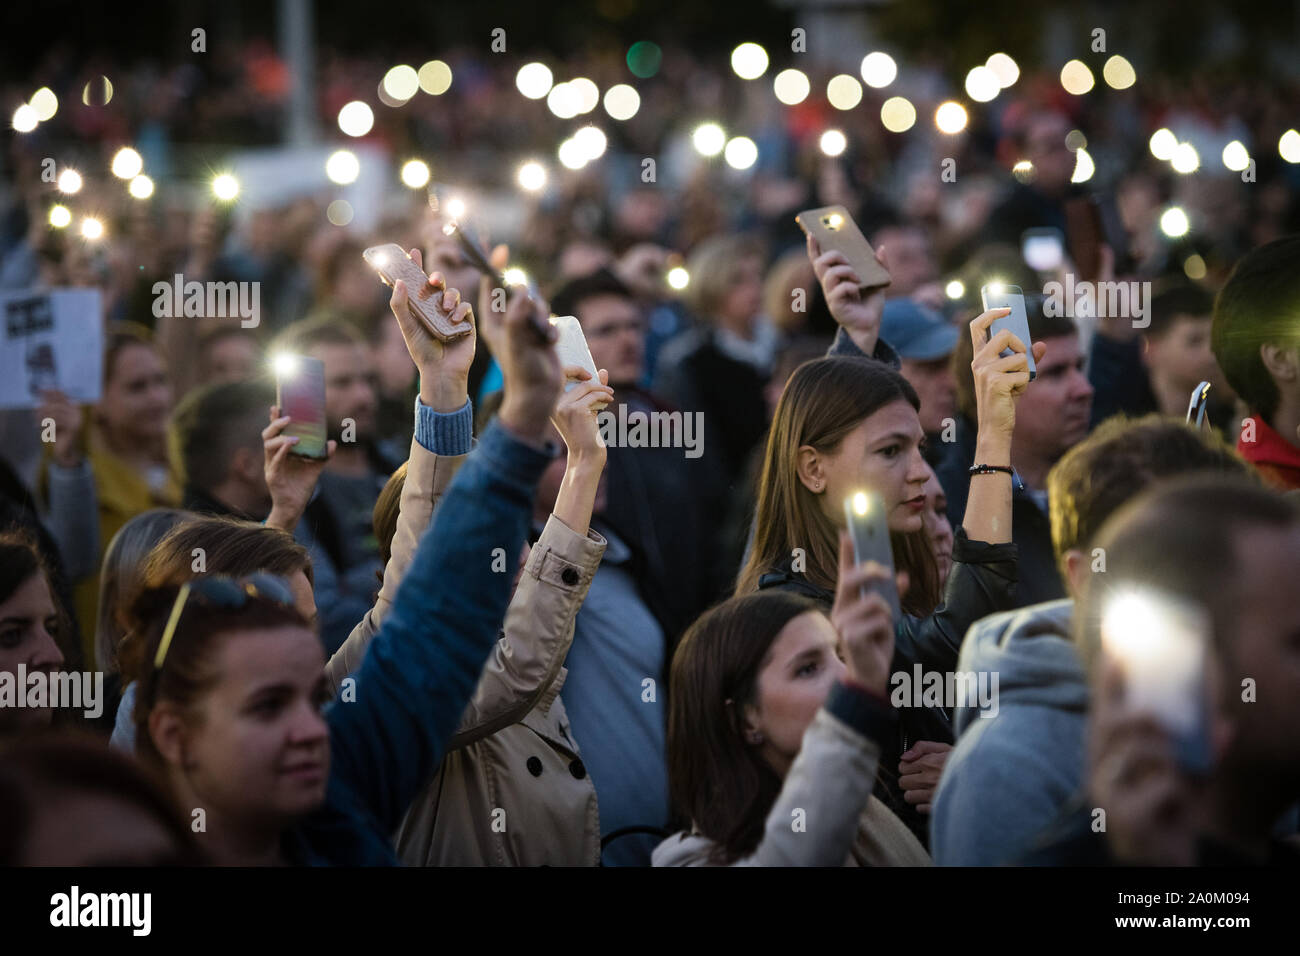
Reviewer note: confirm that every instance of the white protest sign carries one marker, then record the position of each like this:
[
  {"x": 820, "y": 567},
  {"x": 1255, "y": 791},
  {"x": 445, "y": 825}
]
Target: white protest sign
[{"x": 53, "y": 339}]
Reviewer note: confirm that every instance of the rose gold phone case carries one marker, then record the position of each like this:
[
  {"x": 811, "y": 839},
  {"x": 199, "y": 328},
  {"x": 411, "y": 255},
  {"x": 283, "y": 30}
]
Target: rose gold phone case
[
  {"x": 835, "y": 229},
  {"x": 392, "y": 263}
]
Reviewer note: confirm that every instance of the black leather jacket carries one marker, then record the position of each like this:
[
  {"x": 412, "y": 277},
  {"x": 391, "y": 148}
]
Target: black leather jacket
[{"x": 982, "y": 582}]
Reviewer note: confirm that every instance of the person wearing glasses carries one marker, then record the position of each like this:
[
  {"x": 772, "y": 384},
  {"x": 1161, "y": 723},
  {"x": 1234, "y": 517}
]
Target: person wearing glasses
[{"x": 232, "y": 681}]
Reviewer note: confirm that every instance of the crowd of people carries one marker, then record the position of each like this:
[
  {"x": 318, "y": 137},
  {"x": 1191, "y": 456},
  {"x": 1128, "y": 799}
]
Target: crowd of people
[{"x": 486, "y": 629}]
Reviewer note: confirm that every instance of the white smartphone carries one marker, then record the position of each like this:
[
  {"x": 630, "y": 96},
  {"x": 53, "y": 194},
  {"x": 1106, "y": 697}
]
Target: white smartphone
[
  {"x": 1162, "y": 644},
  {"x": 864, "y": 514},
  {"x": 572, "y": 348},
  {"x": 995, "y": 295}
]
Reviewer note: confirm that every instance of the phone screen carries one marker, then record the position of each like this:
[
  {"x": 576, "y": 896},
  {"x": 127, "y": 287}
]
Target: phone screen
[
  {"x": 300, "y": 393},
  {"x": 999, "y": 296},
  {"x": 1042, "y": 249},
  {"x": 868, "y": 526}
]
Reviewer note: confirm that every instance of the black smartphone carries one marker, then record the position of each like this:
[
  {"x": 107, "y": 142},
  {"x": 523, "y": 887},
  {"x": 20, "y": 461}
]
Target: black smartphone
[
  {"x": 300, "y": 393},
  {"x": 999, "y": 296},
  {"x": 864, "y": 514}
]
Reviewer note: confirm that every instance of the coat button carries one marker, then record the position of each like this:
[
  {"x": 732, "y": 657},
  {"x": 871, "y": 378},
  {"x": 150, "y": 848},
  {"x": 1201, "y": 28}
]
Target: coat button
[
  {"x": 569, "y": 576},
  {"x": 577, "y": 769},
  {"x": 534, "y": 766}
]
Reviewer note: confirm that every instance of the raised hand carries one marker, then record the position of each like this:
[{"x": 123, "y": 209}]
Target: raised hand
[
  {"x": 529, "y": 364},
  {"x": 863, "y": 620},
  {"x": 444, "y": 366},
  {"x": 859, "y": 314},
  {"x": 290, "y": 478}
]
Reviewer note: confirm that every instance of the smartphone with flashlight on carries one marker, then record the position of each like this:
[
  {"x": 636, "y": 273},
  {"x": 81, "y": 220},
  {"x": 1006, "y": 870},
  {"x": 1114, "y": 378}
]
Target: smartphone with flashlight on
[
  {"x": 996, "y": 295},
  {"x": 834, "y": 229},
  {"x": 392, "y": 263},
  {"x": 868, "y": 525},
  {"x": 1161, "y": 643},
  {"x": 300, "y": 393}
]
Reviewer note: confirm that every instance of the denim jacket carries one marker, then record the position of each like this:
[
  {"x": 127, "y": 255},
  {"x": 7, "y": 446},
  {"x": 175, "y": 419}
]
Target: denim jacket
[{"x": 389, "y": 730}]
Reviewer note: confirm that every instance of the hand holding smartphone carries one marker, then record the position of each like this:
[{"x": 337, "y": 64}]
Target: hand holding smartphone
[
  {"x": 868, "y": 525},
  {"x": 392, "y": 263},
  {"x": 300, "y": 393},
  {"x": 572, "y": 348},
  {"x": 835, "y": 230},
  {"x": 999, "y": 296}
]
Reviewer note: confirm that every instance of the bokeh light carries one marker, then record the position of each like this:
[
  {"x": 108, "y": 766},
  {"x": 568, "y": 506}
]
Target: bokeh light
[
  {"x": 69, "y": 181},
  {"x": 141, "y": 187},
  {"x": 339, "y": 212},
  {"x": 592, "y": 141},
  {"x": 678, "y": 278},
  {"x": 844, "y": 92},
  {"x": 60, "y": 216},
  {"x": 1235, "y": 156},
  {"x": 1083, "y": 166},
  {"x": 982, "y": 84},
  {"x": 342, "y": 167},
  {"x": 897, "y": 114},
  {"x": 1075, "y": 139},
  {"x": 749, "y": 61},
  {"x": 1004, "y": 68},
  {"x": 356, "y": 118},
  {"x": 127, "y": 163},
  {"x": 833, "y": 142},
  {"x": 534, "y": 80},
  {"x": 950, "y": 117},
  {"x": 644, "y": 59},
  {"x": 562, "y": 100},
  {"x": 92, "y": 228},
  {"x": 1185, "y": 159},
  {"x": 955, "y": 289},
  {"x": 1163, "y": 143},
  {"x": 572, "y": 155},
  {"x": 708, "y": 139},
  {"x": 98, "y": 92},
  {"x": 585, "y": 94},
  {"x": 532, "y": 176},
  {"x": 1194, "y": 267},
  {"x": 791, "y": 86},
  {"x": 878, "y": 69},
  {"x": 1119, "y": 73},
  {"x": 401, "y": 82},
  {"x": 1023, "y": 171},
  {"x": 1174, "y": 223},
  {"x": 1076, "y": 77},
  {"x": 1288, "y": 146},
  {"x": 741, "y": 152},
  {"x": 515, "y": 276},
  {"x": 45, "y": 103},
  {"x": 622, "y": 101},
  {"x": 25, "y": 118},
  {"x": 435, "y": 77},
  {"x": 415, "y": 173}
]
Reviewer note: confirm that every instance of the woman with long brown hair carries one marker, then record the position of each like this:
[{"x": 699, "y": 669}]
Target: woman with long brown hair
[{"x": 844, "y": 424}]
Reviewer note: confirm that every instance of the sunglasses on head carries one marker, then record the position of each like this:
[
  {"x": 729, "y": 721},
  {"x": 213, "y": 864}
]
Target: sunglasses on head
[{"x": 221, "y": 592}]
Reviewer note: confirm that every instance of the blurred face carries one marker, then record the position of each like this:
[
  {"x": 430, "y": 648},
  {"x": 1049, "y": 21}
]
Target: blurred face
[
  {"x": 1182, "y": 354},
  {"x": 794, "y": 681},
  {"x": 884, "y": 454},
  {"x": 744, "y": 295},
  {"x": 231, "y": 358},
  {"x": 445, "y": 256},
  {"x": 615, "y": 334},
  {"x": 258, "y": 747},
  {"x": 392, "y": 362},
  {"x": 1045, "y": 148},
  {"x": 356, "y": 288},
  {"x": 1053, "y": 412},
  {"x": 1266, "y": 647},
  {"x": 97, "y": 829},
  {"x": 937, "y": 526},
  {"x": 137, "y": 398},
  {"x": 936, "y": 386},
  {"x": 28, "y": 623},
  {"x": 349, "y": 388},
  {"x": 911, "y": 264}
]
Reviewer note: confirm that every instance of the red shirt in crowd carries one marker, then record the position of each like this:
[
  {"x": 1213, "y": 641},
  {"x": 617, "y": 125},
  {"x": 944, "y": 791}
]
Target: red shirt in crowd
[{"x": 1277, "y": 459}]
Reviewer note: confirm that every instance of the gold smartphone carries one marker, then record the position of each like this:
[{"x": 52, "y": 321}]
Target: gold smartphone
[
  {"x": 392, "y": 263},
  {"x": 834, "y": 228}
]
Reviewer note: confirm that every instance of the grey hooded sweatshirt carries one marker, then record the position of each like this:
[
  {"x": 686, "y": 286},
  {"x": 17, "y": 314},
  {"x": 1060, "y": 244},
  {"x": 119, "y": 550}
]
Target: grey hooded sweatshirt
[{"x": 1016, "y": 766}]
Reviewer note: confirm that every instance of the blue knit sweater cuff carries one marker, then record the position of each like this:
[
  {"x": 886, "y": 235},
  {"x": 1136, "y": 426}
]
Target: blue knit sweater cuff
[{"x": 441, "y": 433}]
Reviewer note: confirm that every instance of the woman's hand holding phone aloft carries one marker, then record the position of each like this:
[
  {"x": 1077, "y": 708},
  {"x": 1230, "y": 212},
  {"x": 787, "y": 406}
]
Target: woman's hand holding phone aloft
[
  {"x": 863, "y": 620},
  {"x": 290, "y": 478},
  {"x": 999, "y": 383},
  {"x": 857, "y": 312},
  {"x": 444, "y": 366},
  {"x": 530, "y": 366},
  {"x": 575, "y": 419}
]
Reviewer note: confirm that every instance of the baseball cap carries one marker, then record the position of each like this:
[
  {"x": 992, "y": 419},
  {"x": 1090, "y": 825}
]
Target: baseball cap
[{"x": 917, "y": 332}]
